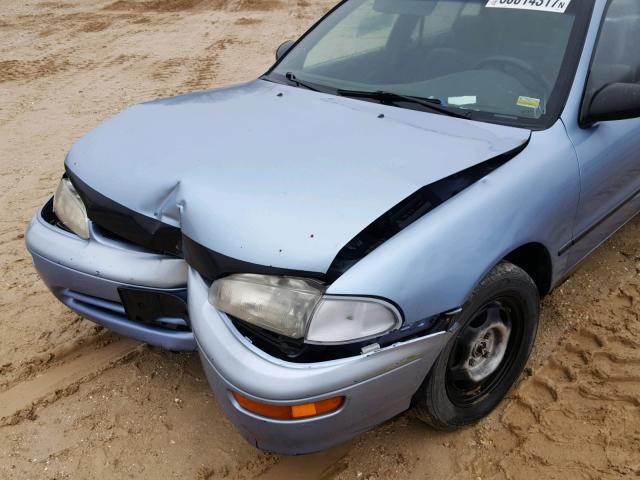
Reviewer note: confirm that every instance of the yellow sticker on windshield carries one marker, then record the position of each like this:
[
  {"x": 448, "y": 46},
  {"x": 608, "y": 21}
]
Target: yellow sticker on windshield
[
  {"x": 528, "y": 102},
  {"x": 556, "y": 6}
]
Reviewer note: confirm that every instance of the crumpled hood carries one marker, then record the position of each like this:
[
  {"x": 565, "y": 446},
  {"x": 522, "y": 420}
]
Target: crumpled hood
[{"x": 276, "y": 175}]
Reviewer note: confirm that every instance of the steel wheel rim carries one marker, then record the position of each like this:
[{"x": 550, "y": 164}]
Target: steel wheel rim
[{"x": 483, "y": 352}]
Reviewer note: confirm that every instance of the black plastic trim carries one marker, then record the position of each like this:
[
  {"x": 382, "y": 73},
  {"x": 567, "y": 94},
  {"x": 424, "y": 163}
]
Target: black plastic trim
[
  {"x": 412, "y": 209},
  {"x": 213, "y": 265},
  {"x": 586, "y": 100},
  {"x": 149, "y": 307},
  {"x": 127, "y": 224}
]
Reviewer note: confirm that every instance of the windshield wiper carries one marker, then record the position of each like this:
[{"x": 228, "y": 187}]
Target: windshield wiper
[
  {"x": 391, "y": 97},
  {"x": 301, "y": 83}
]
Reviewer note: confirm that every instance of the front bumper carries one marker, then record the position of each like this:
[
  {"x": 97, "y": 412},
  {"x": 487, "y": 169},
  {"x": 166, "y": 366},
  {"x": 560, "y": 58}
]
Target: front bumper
[
  {"x": 86, "y": 275},
  {"x": 377, "y": 385}
]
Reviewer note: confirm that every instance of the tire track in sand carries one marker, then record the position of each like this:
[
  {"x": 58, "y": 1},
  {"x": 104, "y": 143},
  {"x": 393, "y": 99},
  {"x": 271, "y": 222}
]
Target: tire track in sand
[
  {"x": 20, "y": 401},
  {"x": 587, "y": 393},
  {"x": 318, "y": 466}
]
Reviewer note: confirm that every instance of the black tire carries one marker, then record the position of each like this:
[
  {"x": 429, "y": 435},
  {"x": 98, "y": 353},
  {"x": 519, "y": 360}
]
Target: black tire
[{"x": 507, "y": 300}]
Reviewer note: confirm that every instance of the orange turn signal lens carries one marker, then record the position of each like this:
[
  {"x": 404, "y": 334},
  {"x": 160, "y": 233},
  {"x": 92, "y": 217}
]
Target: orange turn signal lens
[{"x": 290, "y": 412}]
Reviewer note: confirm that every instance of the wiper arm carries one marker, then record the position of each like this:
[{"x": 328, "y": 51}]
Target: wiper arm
[
  {"x": 391, "y": 97},
  {"x": 301, "y": 83}
]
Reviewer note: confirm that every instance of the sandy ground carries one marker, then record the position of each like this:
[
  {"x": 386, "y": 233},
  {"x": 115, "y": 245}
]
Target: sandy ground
[{"x": 79, "y": 402}]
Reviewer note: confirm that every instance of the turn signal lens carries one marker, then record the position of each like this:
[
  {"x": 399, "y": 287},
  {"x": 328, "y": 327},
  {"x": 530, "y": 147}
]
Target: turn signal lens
[{"x": 290, "y": 412}]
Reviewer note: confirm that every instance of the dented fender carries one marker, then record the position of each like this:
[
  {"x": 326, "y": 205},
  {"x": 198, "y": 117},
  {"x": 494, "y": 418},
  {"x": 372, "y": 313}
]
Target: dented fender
[{"x": 433, "y": 265}]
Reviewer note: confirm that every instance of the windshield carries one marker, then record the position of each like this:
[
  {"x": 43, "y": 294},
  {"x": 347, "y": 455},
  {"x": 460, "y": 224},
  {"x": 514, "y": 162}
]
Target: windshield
[{"x": 504, "y": 61}]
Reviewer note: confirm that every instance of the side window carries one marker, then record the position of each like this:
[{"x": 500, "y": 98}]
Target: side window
[
  {"x": 617, "y": 56},
  {"x": 364, "y": 30}
]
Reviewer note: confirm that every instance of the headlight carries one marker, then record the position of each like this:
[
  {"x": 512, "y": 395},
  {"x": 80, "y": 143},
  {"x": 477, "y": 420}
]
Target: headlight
[
  {"x": 280, "y": 304},
  {"x": 297, "y": 308},
  {"x": 68, "y": 207}
]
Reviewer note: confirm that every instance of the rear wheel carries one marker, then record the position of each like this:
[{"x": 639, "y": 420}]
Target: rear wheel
[{"x": 494, "y": 336}]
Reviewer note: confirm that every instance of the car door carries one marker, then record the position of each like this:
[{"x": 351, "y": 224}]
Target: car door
[{"x": 609, "y": 152}]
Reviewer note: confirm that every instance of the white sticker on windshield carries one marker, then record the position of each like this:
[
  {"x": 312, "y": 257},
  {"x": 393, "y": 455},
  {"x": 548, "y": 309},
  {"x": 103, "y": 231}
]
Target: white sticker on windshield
[
  {"x": 557, "y": 6},
  {"x": 461, "y": 101}
]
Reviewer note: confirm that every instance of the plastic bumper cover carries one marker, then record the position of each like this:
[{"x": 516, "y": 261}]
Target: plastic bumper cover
[
  {"x": 377, "y": 385},
  {"x": 86, "y": 275}
]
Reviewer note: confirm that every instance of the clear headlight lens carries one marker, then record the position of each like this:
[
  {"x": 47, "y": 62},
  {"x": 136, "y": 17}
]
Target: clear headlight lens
[
  {"x": 279, "y": 304},
  {"x": 344, "y": 319},
  {"x": 69, "y": 208},
  {"x": 296, "y": 308}
]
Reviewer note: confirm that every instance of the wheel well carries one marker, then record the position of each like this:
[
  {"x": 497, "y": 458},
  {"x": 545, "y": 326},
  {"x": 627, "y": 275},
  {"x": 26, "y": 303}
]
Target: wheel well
[{"x": 534, "y": 259}]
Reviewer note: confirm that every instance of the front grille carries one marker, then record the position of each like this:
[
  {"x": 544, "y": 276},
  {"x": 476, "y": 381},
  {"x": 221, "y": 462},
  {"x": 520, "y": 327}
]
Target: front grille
[
  {"x": 96, "y": 307},
  {"x": 94, "y": 303},
  {"x": 167, "y": 310}
]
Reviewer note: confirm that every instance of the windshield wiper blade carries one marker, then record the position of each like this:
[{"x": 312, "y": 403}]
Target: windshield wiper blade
[
  {"x": 301, "y": 83},
  {"x": 391, "y": 97}
]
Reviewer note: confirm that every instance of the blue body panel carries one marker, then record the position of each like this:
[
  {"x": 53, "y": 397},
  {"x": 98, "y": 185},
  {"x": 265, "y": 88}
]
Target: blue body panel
[{"x": 528, "y": 200}]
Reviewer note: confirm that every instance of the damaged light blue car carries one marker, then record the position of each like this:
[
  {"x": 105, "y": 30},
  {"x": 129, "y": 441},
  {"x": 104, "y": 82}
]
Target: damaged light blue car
[{"x": 368, "y": 227}]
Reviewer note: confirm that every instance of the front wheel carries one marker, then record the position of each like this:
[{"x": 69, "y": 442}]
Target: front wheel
[{"x": 494, "y": 336}]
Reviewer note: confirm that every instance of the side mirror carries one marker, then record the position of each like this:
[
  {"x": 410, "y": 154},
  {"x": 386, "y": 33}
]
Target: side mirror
[
  {"x": 616, "y": 101},
  {"x": 283, "y": 49}
]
